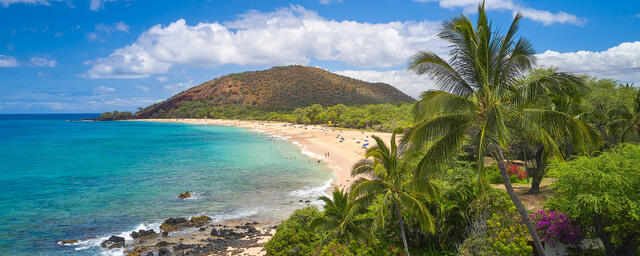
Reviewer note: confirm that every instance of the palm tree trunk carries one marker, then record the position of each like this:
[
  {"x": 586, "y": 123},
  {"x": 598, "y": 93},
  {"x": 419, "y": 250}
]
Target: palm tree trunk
[
  {"x": 512, "y": 193},
  {"x": 404, "y": 238},
  {"x": 538, "y": 174}
]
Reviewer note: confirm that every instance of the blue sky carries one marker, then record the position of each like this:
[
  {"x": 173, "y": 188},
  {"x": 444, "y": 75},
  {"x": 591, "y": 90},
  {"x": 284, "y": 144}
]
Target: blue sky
[{"x": 77, "y": 56}]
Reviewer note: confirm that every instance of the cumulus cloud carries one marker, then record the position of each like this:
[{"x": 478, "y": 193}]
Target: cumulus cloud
[
  {"x": 545, "y": 17},
  {"x": 621, "y": 62},
  {"x": 103, "y": 90},
  {"x": 43, "y": 62},
  {"x": 162, "y": 79},
  {"x": 405, "y": 81},
  {"x": 291, "y": 35},
  {"x": 8, "y": 61}
]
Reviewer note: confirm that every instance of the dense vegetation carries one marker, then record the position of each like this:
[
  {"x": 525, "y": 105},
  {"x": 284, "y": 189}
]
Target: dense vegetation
[
  {"x": 430, "y": 195},
  {"x": 115, "y": 115},
  {"x": 603, "y": 193},
  {"x": 381, "y": 117},
  {"x": 281, "y": 88}
]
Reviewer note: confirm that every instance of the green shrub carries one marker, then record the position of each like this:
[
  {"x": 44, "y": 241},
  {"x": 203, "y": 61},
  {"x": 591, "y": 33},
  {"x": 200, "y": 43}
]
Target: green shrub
[
  {"x": 605, "y": 188},
  {"x": 495, "y": 228},
  {"x": 294, "y": 237}
]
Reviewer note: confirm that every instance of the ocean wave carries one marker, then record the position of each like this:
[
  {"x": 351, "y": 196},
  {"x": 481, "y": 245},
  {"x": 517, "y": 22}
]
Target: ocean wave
[
  {"x": 95, "y": 242},
  {"x": 313, "y": 192}
]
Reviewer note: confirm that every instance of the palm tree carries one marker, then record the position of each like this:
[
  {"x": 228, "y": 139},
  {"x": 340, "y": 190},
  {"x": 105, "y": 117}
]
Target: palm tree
[
  {"x": 625, "y": 121},
  {"x": 386, "y": 179},
  {"x": 478, "y": 99},
  {"x": 340, "y": 219}
]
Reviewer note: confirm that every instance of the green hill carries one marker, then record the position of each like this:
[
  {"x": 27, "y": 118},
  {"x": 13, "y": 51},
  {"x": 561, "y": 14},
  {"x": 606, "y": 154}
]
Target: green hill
[{"x": 285, "y": 87}]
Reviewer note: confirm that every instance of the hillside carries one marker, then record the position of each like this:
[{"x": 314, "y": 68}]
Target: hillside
[{"x": 285, "y": 87}]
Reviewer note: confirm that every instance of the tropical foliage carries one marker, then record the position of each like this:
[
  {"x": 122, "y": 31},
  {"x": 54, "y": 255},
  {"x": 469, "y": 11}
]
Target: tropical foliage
[{"x": 603, "y": 193}]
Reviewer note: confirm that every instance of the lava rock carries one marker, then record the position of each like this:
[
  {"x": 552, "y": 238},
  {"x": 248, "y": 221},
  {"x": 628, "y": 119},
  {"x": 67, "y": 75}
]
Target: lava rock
[
  {"x": 162, "y": 244},
  {"x": 164, "y": 252},
  {"x": 143, "y": 234},
  {"x": 172, "y": 224},
  {"x": 113, "y": 242},
  {"x": 184, "y": 195}
]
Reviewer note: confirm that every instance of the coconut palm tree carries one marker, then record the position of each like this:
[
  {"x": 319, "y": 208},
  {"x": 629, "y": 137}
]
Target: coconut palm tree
[
  {"x": 625, "y": 121},
  {"x": 341, "y": 220},
  {"x": 478, "y": 100},
  {"x": 388, "y": 180}
]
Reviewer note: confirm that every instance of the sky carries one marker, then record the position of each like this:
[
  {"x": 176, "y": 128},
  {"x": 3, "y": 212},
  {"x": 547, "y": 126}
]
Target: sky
[{"x": 91, "y": 56}]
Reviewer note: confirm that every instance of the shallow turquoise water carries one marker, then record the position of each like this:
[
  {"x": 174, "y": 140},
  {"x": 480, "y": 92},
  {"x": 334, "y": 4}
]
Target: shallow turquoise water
[{"x": 88, "y": 180}]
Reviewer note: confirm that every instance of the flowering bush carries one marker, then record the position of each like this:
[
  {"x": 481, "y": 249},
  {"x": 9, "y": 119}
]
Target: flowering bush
[
  {"x": 516, "y": 170},
  {"x": 556, "y": 227}
]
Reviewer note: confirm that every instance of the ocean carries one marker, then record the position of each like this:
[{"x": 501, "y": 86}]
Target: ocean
[{"x": 63, "y": 179}]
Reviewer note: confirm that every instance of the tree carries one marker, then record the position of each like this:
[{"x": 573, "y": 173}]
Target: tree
[
  {"x": 340, "y": 219},
  {"x": 394, "y": 185},
  {"x": 626, "y": 121},
  {"x": 556, "y": 91},
  {"x": 477, "y": 98}
]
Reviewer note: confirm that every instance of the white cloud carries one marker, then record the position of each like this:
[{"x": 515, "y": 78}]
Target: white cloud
[
  {"x": 43, "y": 62},
  {"x": 103, "y": 90},
  {"x": 142, "y": 88},
  {"x": 6, "y": 3},
  {"x": 329, "y": 1},
  {"x": 102, "y": 30},
  {"x": 94, "y": 5},
  {"x": 545, "y": 17},
  {"x": 405, "y": 81},
  {"x": 286, "y": 36},
  {"x": 41, "y": 74},
  {"x": 8, "y": 61},
  {"x": 162, "y": 79},
  {"x": 637, "y": 15},
  {"x": 175, "y": 88},
  {"x": 121, "y": 26},
  {"x": 58, "y": 35},
  {"x": 620, "y": 62}
]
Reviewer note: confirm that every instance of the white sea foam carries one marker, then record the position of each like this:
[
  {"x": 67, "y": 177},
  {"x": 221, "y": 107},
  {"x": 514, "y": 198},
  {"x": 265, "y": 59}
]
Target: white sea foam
[
  {"x": 95, "y": 242},
  {"x": 312, "y": 192}
]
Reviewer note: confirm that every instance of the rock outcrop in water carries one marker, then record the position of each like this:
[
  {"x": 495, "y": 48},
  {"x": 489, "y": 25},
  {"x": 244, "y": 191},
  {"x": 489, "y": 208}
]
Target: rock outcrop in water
[
  {"x": 184, "y": 195},
  {"x": 113, "y": 242}
]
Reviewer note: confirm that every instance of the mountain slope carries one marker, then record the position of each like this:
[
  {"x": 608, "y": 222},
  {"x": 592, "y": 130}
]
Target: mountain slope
[{"x": 284, "y": 87}]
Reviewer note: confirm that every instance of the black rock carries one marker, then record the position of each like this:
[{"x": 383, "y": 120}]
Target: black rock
[
  {"x": 113, "y": 242},
  {"x": 181, "y": 247},
  {"x": 150, "y": 254},
  {"x": 164, "y": 252},
  {"x": 202, "y": 229},
  {"x": 143, "y": 233},
  {"x": 162, "y": 244},
  {"x": 165, "y": 234},
  {"x": 214, "y": 232}
]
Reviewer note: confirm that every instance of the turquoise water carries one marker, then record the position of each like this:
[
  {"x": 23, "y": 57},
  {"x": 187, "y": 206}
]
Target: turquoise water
[{"x": 88, "y": 180}]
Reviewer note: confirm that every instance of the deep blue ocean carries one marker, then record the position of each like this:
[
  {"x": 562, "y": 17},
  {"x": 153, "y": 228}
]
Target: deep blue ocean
[{"x": 62, "y": 179}]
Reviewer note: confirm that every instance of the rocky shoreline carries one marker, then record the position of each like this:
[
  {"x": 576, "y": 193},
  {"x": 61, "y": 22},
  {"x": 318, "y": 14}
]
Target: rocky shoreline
[{"x": 196, "y": 236}]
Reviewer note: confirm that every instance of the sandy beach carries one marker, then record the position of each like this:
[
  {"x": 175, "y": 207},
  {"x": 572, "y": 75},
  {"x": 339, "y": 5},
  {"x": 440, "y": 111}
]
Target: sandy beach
[{"x": 340, "y": 149}]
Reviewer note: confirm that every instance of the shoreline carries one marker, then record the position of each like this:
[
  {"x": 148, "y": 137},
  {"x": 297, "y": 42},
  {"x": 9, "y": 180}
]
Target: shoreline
[{"x": 339, "y": 149}]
